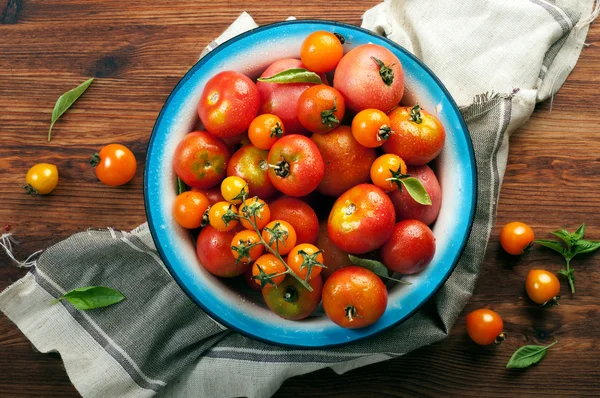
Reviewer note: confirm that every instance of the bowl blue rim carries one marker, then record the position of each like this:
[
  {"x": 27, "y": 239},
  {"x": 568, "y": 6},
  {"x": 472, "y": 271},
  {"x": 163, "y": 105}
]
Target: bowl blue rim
[{"x": 221, "y": 47}]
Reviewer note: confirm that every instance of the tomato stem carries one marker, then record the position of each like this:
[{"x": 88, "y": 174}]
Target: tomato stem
[
  {"x": 501, "y": 337},
  {"x": 385, "y": 71},
  {"x": 328, "y": 116},
  {"x": 415, "y": 114},
  {"x": 95, "y": 160},
  {"x": 29, "y": 190},
  {"x": 276, "y": 131},
  {"x": 341, "y": 38},
  {"x": 569, "y": 273},
  {"x": 384, "y": 133}
]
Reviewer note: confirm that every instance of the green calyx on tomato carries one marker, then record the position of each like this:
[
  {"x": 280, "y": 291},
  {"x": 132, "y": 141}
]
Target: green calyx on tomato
[
  {"x": 264, "y": 278},
  {"x": 229, "y": 216},
  {"x": 328, "y": 116},
  {"x": 385, "y": 71},
  {"x": 276, "y": 131},
  {"x": 278, "y": 234},
  {"x": 282, "y": 168},
  {"x": 385, "y": 132},
  {"x": 243, "y": 249},
  {"x": 29, "y": 190},
  {"x": 253, "y": 209},
  {"x": 397, "y": 177},
  {"x": 95, "y": 160},
  {"x": 415, "y": 114},
  {"x": 309, "y": 261},
  {"x": 341, "y": 38},
  {"x": 351, "y": 313}
]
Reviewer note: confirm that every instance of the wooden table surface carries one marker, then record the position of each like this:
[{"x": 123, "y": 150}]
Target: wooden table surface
[{"x": 139, "y": 49}]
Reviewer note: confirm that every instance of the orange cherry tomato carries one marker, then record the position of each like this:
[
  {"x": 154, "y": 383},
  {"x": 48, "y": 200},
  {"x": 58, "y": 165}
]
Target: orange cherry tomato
[
  {"x": 280, "y": 235},
  {"x": 265, "y": 268},
  {"x": 257, "y": 210},
  {"x": 246, "y": 246},
  {"x": 387, "y": 170},
  {"x": 306, "y": 261},
  {"x": 265, "y": 130},
  {"x": 115, "y": 164},
  {"x": 516, "y": 237},
  {"x": 542, "y": 287},
  {"x": 485, "y": 326},
  {"x": 232, "y": 188},
  {"x": 321, "y": 51},
  {"x": 223, "y": 216},
  {"x": 189, "y": 209},
  {"x": 354, "y": 297},
  {"x": 371, "y": 128},
  {"x": 320, "y": 108}
]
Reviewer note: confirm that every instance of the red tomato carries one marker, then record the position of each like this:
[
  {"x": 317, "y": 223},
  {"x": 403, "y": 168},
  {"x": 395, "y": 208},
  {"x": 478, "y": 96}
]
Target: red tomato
[
  {"x": 291, "y": 300},
  {"x": 321, "y": 51},
  {"x": 300, "y": 215},
  {"x": 200, "y": 160},
  {"x": 362, "y": 219},
  {"x": 250, "y": 163},
  {"x": 212, "y": 194},
  {"x": 347, "y": 163},
  {"x": 410, "y": 248},
  {"x": 333, "y": 257},
  {"x": 282, "y": 99},
  {"x": 407, "y": 208},
  {"x": 214, "y": 252},
  {"x": 370, "y": 76},
  {"x": 320, "y": 108},
  {"x": 298, "y": 165},
  {"x": 229, "y": 102},
  {"x": 418, "y": 136},
  {"x": 115, "y": 165},
  {"x": 354, "y": 297},
  {"x": 485, "y": 327}
]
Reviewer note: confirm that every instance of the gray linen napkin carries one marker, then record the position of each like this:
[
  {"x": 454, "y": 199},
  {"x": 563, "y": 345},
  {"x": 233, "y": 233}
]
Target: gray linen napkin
[{"x": 158, "y": 341}]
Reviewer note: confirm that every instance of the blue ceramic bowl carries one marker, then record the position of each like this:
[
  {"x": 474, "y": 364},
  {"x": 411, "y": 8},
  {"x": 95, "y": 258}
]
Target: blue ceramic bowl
[{"x": 251, "y": 53}]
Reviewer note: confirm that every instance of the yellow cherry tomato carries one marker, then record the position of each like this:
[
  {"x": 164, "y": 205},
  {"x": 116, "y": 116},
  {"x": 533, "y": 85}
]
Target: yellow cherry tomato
[
  {"x": 41, "y": 179},
  {"x": 231, "y": 189},
  {"x": 223, "y": 216}
]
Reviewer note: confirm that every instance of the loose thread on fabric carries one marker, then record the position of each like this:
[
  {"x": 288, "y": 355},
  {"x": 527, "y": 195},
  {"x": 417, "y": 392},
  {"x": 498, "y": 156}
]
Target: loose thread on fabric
[
  {"x": 580, "y": 25},
  {"x": 6, "y": 242},
  {"x": 484, "y": 99}
]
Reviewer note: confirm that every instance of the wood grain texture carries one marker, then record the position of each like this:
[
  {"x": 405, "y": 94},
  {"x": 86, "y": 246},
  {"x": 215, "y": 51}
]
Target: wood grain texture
[{"x": 139, "y": 49}]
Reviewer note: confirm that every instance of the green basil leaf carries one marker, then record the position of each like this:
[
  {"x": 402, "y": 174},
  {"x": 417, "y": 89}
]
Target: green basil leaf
[
  {"x": 527, "y": 355},
  {"x": 90, "y": 297},
  {"x": 579, "y": 233},
  {"x": 416, "y": 190},
  {"x": 564, "y": 235},
  {"x": 65, "y": 101},
  {"x": 585, "y": 246},
  {"x": 295, "y": 75},
  {"x": 570, "y": 274},
  {"x": 377, "y": 267},
  {"x": 181, "y": 187},
  {"x": 552, "y": 244}
]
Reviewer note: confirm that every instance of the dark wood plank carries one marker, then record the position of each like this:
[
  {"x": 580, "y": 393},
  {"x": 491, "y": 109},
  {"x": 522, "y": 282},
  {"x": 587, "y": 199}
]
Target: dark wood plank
[{"x": 140, "y": 49}]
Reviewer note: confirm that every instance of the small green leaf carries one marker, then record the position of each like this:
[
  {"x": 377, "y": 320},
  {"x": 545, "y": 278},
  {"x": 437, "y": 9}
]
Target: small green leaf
[
  {"x": 65, "y": 101},
  {"x": 563, "y": 234},
  {"x": 552, "y": 244},
  {"x": 585, "y": 246},
  {"x": 294, "y": 75},
  {"x": 377, "y": 267},
  {"x": 570, "y": 274},
  {"x": 90, "y": 297},
  {"x": 416, "y": 190},
  {"x": 527, "y": 355},
  {"x": 580, "y": 232},
  {"x": 181, "y": 187}
]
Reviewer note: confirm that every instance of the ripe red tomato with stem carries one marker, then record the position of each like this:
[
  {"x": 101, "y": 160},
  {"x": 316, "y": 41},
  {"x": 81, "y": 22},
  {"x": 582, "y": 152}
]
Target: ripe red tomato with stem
[
  {"x": 407, "y": 208},
  {"x": 371, "y": 128},
  {"x": 114, "y": 165},
  {"x": 214, "y": 252},
  {"x": 321, "y": 51},
  {"x": 418, "y": 135},
  {"x": 370, "y": 76},
  {"x": 485, "y": 326},
  {"x": 362, "y": 219},
  {"x": 282, "y": 99},
  {"x": 291, "y": 300},
  {"x": 516, "y": 237},
  {"x": 228, "y": 104},
  {"x": 250, "y": 163},
  {"x": 387, "y": 171},
  {"x": 410, "y": 248},
  {"x": 265, "y": 130},
  {"x": 299, "y": 214},
  {"x": 200, "y": 160},
  {"x": 296, "y": 166},
  {"x": 320, "y": 108},
  {"x": 189, "y": 209},
  {"x": 347, "y": 163},
  {"x": 542, "y": 287},
  {"x": 354, "y": 297}
]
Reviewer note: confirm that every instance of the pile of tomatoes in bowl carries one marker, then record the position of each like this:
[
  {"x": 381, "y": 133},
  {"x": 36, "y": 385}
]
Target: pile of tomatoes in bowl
[{"x": 312, "y": 182}]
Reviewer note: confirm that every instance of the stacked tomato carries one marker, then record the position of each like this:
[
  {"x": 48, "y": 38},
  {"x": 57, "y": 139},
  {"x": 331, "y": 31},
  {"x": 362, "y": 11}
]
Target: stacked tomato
[{"x": 280, "y": 154}]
